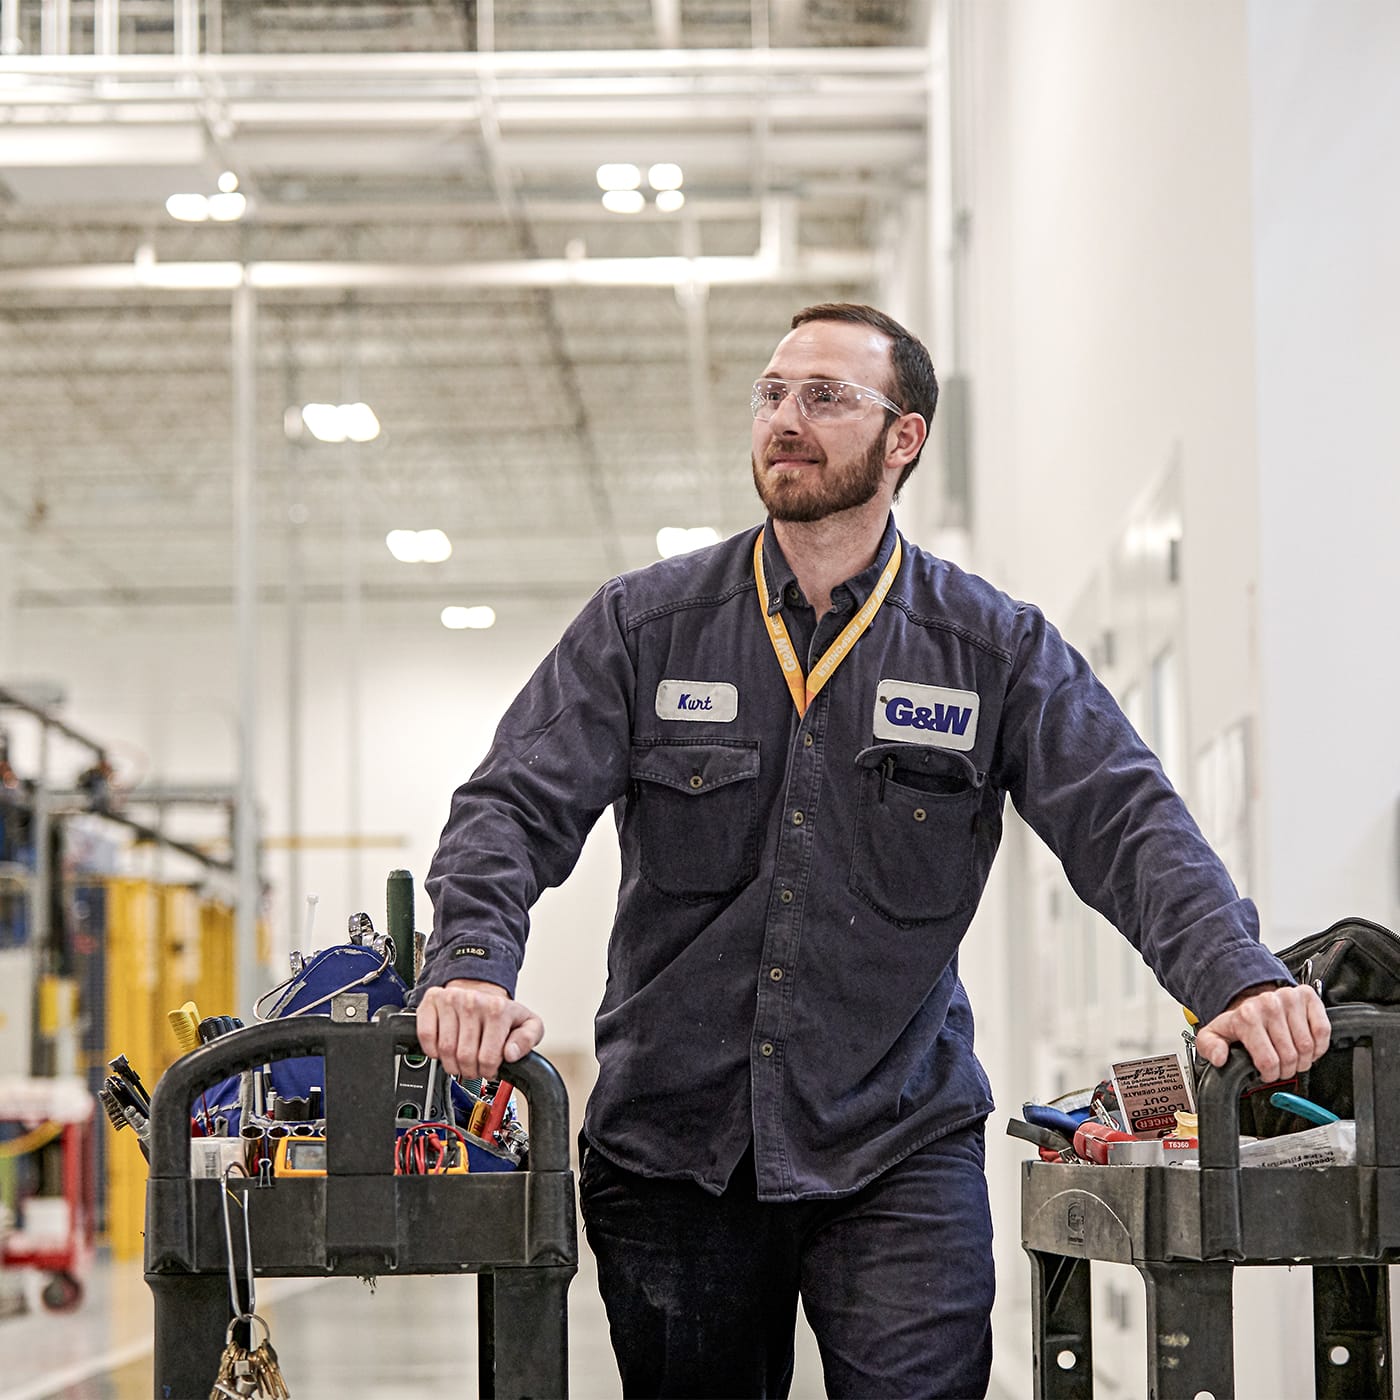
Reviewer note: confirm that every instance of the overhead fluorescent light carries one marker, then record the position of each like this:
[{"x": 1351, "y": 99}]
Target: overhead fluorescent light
[
  {"x": 225, "y": 208},
  {"x": 359, "y": 422},
  {"x": 665, "y": 176},
  {"x": 619, "y": 175},
  {"x": 323, "y": 421},
  {"x": 677, "y": 539},
  {"x": 624, "y": 201},
  {"x": 433, "y": 546},
  {"x": 478, "y": 618},
  {"x": 189, "y": 208},
  {"x": 335, "y": 422},
  {"x": 403, "y": 545},
  {"x": 668, "y": 201},
  {"x": 419, "y": 546}
]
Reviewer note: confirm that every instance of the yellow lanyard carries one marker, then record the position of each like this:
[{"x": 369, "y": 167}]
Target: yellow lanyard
[{"x": 804, "y": 689}]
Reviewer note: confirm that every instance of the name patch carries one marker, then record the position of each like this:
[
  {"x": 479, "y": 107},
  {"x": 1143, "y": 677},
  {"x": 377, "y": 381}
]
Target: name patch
[
  {"x": 716, "y": 702},
  {"x": 926, "y": 714}
]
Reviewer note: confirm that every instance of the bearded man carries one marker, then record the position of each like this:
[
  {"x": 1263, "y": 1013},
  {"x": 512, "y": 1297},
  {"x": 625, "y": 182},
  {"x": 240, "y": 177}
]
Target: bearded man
[{"x": 807, "y": 734}]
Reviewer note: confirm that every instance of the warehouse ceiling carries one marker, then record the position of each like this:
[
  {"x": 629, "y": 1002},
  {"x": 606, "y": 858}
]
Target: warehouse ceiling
[{"x": 423, "y": 233}]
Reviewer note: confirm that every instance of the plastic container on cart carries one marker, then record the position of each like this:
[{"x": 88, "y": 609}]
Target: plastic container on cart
[
  {"x": 1186, "y": 1231},
  {"x": 515, "y": 1230}
]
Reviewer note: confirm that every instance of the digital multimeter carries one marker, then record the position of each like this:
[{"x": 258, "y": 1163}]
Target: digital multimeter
[{"x": 300, "y": 1156}]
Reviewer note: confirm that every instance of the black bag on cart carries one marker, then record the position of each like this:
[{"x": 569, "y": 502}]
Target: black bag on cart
[{"x": 1353, "y": 961}]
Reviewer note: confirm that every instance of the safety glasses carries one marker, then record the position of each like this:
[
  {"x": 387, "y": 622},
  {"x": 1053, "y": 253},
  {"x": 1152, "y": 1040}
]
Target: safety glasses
[{"x": 819, "y": 400}]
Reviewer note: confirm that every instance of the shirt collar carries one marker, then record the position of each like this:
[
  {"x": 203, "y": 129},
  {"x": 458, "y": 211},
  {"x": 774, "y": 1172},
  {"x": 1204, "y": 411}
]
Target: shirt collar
[{"x": 778, "y": 572}]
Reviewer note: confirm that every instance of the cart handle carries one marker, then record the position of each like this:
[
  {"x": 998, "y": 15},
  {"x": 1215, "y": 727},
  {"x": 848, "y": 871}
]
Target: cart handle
[
  {"x": 1375, "y": 1031},
  {"x": 294, "y": 1036}
]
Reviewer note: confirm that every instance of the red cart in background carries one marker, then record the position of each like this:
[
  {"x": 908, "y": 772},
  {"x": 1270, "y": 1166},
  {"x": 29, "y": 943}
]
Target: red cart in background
[{"x": 55, "y": 1230}]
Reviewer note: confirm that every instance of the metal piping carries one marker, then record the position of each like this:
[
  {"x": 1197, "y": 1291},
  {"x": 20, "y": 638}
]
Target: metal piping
[
  {"x": 593, "y": 63},
  {"x": 666, "y": 15},
  {"x": 9, "y": 700},
  {"x": 811, "y": 265}
]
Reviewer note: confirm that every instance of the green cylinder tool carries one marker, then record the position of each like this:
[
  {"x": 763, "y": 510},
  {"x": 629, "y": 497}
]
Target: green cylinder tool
[{"x": 400, "y": 901}]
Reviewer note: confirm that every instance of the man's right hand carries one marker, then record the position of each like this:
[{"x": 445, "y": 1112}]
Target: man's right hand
[{"x": 475, "y": 1027}]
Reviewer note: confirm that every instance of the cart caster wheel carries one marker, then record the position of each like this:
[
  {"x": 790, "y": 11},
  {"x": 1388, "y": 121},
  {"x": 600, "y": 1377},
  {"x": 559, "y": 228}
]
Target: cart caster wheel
[{"x": 62, "y": 1293}]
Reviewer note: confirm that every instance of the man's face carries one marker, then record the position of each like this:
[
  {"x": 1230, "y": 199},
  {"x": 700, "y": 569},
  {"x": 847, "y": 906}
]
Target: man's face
[{"x": 806, "y": 471}]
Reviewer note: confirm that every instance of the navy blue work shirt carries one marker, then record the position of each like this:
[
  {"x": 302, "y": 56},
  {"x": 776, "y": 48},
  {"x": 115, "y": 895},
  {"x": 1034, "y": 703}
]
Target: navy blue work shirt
[{"x": 783, "y": 965}]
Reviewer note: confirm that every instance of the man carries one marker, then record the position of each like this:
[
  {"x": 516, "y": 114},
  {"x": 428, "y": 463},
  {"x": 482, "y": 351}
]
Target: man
[{"x": 807, "y": 734}]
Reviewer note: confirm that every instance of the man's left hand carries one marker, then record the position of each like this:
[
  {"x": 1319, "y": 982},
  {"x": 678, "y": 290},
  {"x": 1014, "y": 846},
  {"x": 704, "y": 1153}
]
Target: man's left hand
[{"x": 1285, "y": 1030}]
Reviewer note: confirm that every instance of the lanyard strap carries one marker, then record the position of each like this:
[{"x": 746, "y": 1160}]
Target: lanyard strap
[{"x": 804, "y": 689}]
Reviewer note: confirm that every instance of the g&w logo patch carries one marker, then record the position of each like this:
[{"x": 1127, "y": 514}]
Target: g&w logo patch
[
  {"x": 926, "y": 714},
  {"x": 714, "y": 701}
]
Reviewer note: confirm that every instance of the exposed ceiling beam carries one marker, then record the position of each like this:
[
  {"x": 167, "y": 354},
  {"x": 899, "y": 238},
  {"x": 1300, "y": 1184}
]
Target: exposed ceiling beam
[
  {"x": 317, "y": 69},
  {"x": 826, "y": 265}
]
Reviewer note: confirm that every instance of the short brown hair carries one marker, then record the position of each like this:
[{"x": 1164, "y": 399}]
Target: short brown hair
[{"x": 915, "y": 386}]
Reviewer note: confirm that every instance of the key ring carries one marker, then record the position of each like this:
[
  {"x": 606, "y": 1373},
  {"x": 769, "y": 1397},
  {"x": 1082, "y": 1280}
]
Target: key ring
[{"x": 250, "y": 1318}]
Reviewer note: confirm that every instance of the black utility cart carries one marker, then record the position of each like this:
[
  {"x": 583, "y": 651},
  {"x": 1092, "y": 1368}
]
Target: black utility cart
[
  {"x": 1185, "y": 1231},
  {"x": 515, "y": 1229}
]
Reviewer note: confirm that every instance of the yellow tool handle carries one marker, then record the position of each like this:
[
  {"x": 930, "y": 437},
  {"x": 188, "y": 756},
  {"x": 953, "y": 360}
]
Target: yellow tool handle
[{"x": 185, "y": 1024}]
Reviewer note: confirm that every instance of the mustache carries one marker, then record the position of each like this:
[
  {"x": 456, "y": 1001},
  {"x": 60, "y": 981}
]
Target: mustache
[{"x": 792, "y": 447}]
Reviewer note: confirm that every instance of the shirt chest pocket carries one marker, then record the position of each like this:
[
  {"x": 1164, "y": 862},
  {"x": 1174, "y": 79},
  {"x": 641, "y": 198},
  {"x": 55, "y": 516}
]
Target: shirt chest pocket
[
  {"x": 916, "y": 823},
  {"x": 696, "y": 809}
]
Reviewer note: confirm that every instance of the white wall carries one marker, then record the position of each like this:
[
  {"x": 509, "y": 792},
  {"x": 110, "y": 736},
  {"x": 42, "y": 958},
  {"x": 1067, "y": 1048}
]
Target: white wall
[
  {"x": 1326, "y": 121},
  {"x": 1181, "y": 249},
  {"x": 1108, "y": 334}
]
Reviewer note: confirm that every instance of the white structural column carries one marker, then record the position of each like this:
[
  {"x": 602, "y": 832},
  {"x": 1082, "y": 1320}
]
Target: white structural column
[
  {"x": 294, "y": 610},
  {"x": 106, "y": 27},
  {"x": 245, "y": 540},
  {"x": 352, "y": 636},
  {"x": 9, "y": 656},
  {"x": 943, "y": 197}
]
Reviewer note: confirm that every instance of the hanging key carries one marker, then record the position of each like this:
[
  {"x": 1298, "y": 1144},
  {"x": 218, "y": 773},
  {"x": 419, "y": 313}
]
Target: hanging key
[
  {"x": 271, "y": 1385},
  {"x": 245, "y": 1380},
  {"x": 235, "y": 1376},
  {"x": 256, "y": 1375},
  {"x": 223, "y": 1382}
]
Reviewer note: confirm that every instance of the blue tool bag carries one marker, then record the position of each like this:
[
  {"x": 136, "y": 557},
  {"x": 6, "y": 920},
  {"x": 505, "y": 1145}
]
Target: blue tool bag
[
  {"x": 362, "y": 976},
  {"x": 348, "y": 967}
]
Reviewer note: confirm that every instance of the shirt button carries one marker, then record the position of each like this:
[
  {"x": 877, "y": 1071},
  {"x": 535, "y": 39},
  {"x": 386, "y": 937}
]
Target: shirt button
[
  {"x": 776, "y": 973},
  {"x": 766, "y": 1049},
  {"x": 806, "y": 741},
  {"x": 697, "y": 781},
  {"x": 798, "y": 819},
  {"x": 794, "y": 593},
  {"x": 786, "y": 896},
  {"x": 919, "y": 814}
]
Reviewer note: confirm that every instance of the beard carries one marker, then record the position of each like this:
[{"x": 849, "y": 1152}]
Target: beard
[{"x": 813, "y": 493}]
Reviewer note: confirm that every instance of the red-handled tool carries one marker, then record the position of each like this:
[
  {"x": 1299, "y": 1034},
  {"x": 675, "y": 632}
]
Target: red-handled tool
[
  {"x": 498, "y": 1110},
  {"x": 1091, "y": 1141}
]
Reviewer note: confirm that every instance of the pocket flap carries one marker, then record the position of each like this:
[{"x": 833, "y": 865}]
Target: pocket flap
[
  {"x": 918, "y": 765},
  {"x": 695, "y": 766}
]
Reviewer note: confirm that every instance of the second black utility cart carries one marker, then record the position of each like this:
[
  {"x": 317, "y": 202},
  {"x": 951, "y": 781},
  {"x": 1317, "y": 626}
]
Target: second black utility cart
[{"x": 1186, "y": 1232}]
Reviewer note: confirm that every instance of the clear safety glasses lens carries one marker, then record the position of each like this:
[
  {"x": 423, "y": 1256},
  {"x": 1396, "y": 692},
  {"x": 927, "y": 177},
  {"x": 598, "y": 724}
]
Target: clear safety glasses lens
[{"x": 818, "y": 399}]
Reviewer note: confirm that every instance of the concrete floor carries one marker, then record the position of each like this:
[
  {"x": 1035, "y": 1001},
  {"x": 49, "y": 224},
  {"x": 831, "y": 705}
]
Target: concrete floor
[{"x": 335, "y": 1339}]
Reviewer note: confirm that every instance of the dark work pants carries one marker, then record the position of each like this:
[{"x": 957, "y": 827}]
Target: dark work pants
[{"x": 701, "y": 1291}]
